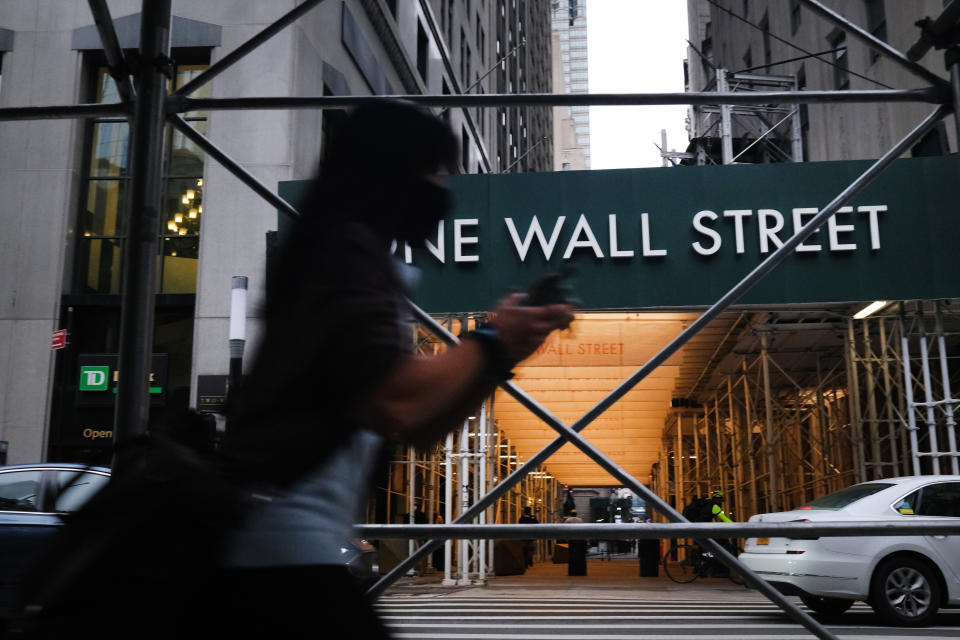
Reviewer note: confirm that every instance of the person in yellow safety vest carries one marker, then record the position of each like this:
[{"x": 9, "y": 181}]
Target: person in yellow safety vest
[{"x": 716, "y": 509}]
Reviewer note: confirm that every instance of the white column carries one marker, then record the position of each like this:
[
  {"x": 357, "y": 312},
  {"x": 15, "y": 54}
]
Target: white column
[
  {"x": 448, "y": 509},
  {"x": 463, "y": 565}
]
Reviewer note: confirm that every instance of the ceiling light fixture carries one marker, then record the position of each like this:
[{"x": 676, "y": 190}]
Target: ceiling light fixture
[{"x": 870, "y": 309}]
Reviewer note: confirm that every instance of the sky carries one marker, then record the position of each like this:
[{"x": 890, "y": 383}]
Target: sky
[{"x": 635, "y": 46}]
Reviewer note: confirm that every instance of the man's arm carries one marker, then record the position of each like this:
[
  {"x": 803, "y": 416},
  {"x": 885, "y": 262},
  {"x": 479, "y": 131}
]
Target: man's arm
[
  {"x": 718, "y": 513},
  {"x": 424, "y": 397}
]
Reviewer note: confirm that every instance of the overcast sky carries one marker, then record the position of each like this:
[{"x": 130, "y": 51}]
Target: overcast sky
[{"x": 635, "y": 46}]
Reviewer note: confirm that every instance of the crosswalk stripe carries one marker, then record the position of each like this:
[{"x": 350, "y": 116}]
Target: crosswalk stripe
[
  {"x": 435, "y": 617},
  {"x": 586, "y": 610},
  {"x": 636, "y": 633}
]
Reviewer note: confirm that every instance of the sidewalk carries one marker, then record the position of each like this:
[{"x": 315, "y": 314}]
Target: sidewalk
[{"x": 615, "y": 578}]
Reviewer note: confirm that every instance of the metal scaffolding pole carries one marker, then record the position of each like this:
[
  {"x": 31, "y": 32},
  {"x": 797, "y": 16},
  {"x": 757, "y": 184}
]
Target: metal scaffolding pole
[
  {"x": 873, "y": 42},
  {"x": 751, "y": 461},
  {"x": 448, "y": 508},
  {"x": 726, "y": 130},
  {"x": 856, "y": 418},
  {"x": 892, "y": 433},
  {"x": 908, "y": 391},
  {"x": 116, "y": 63},
  {"x": 234, "y": 56},
  {"x": 933, "y": 95},
  {"x": 138, "y": 278},
  {"x": 932, "y": 443},
  {"x": 772, "y": 490},
  {"x": 872, "y": 416},
  {"x": 411, "y": 492},
  {"x": 947, "y": 397}
]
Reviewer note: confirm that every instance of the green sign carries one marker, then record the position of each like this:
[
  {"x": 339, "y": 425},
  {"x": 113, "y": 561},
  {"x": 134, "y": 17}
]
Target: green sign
[
  {"x": 99, "y": 379},
  {"x": 94, "y": 378},
  {"x": 682, "y": 236}
]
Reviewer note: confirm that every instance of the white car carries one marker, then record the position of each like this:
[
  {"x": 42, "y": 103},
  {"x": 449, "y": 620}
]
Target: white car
[{"x": 906, "y": 579}]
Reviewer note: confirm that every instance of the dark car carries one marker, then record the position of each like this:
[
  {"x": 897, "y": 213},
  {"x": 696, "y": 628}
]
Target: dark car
[{"x": 33, "y": 499}]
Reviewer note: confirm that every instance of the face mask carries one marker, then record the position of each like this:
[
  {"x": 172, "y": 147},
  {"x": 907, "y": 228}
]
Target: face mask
[{"x": 420, "y": 209}]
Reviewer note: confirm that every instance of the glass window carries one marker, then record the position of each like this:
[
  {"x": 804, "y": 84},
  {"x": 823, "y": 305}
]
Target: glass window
[
  {"x": 841, "y": 77},
  {"x": 795, "y": 16},
  {"x": 908, "y": 505},
  {"x": 76, "y": 487},
  {"x": 101, "y": 227},
  {"x": 877, "y": 18},
  {"x": 942, "y": 499},
  {"x": 20, "y": 490},
  {"x": 845, "y": 497}
]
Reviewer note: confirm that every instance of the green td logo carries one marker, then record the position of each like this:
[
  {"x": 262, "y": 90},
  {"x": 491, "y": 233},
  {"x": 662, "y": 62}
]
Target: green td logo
[{"x": 94, "y": 378}]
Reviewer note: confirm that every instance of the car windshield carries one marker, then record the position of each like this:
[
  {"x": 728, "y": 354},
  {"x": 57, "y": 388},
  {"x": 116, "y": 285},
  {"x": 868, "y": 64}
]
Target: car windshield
[{"x": 844, "y": 497}]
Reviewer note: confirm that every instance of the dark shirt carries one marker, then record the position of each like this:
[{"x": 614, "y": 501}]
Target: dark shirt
[{"x": 324, "y": 351}]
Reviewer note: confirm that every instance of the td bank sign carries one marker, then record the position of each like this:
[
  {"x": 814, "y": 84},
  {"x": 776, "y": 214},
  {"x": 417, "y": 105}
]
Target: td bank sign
[
  {"x": 99, "y": 379},
  {"x": 683, "y": 236}
]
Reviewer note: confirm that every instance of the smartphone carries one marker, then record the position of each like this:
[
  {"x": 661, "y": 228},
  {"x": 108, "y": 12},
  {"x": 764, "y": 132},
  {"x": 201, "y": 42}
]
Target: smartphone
[{"x": 552, "y": 288}]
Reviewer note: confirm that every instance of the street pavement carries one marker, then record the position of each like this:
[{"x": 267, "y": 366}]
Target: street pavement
[{"x": 612, "y": 603}]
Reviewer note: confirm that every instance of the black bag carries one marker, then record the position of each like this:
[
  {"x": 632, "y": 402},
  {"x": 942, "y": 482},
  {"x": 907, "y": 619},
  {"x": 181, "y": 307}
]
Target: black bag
[
  {"x": 139, "y": 552},
  {"x": 699, "y": 510}
]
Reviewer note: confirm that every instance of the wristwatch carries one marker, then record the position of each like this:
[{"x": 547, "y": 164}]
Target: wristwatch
[{"x": 499, "y": 363}]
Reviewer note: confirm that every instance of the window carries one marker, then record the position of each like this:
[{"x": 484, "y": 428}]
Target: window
[
  {"x": 746, "y": 8},
  {"x": 804, "y": 111},
  {"x": 767, "y": 55},
  {"x": 101, "y": 227},
  {"x": 841, "y": 77},
  {"x": 422, "y": 47},
  {"x": 942, "y": 499},
  {"x": 464, "y": 56},
  {"x": 583, "y": 139},
  {"x": 450, "y": 23},
  {"x": 877, "y": 18},
  {"x": 481, "y": 39},
  {"x": 20, "y": 491},
  {"x": 845, "y": 497},
  {"x": 934, "y": 143},
  {"x": 748, "y": 59},
  {"x": 876, "y": 23},
  {"x": 76, "y": 488},
  {"x": 908, "y": 505},
  {"x": 464, "y": 149},
  {"x": 565, "y": 167},
  {"x": 392, "y": 5},
  {"x": 795, "y": 16}
]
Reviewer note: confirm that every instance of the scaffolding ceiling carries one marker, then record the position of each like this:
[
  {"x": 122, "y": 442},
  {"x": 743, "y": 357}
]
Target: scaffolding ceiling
[{"x": 578, "y": 367}]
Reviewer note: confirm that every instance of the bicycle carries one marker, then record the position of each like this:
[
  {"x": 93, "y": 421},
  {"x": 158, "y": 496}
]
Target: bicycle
[{"x": 685, "y": 563}]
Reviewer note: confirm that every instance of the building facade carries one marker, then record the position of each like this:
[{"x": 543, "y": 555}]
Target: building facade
[
  {"x": 571, "y": 125},
  {"x": 767, "y": 45},
  {"x": 64, "y": 191}
]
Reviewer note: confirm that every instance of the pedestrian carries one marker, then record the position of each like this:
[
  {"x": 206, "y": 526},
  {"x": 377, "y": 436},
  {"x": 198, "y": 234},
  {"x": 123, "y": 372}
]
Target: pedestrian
[
  {"x": 333, "y": 377},
  {"x": 577, "y": 557},
  {"x": 529, "y": 546},
  {"x": 438, "y": 553}
]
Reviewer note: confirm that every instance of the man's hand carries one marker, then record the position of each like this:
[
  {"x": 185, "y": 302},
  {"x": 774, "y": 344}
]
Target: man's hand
[{"x": 524, "y": 328}]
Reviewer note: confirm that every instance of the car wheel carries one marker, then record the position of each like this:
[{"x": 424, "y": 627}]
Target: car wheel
[
  {"x": 826, "y": 606},
  {"x": 905, "y": 592}
]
